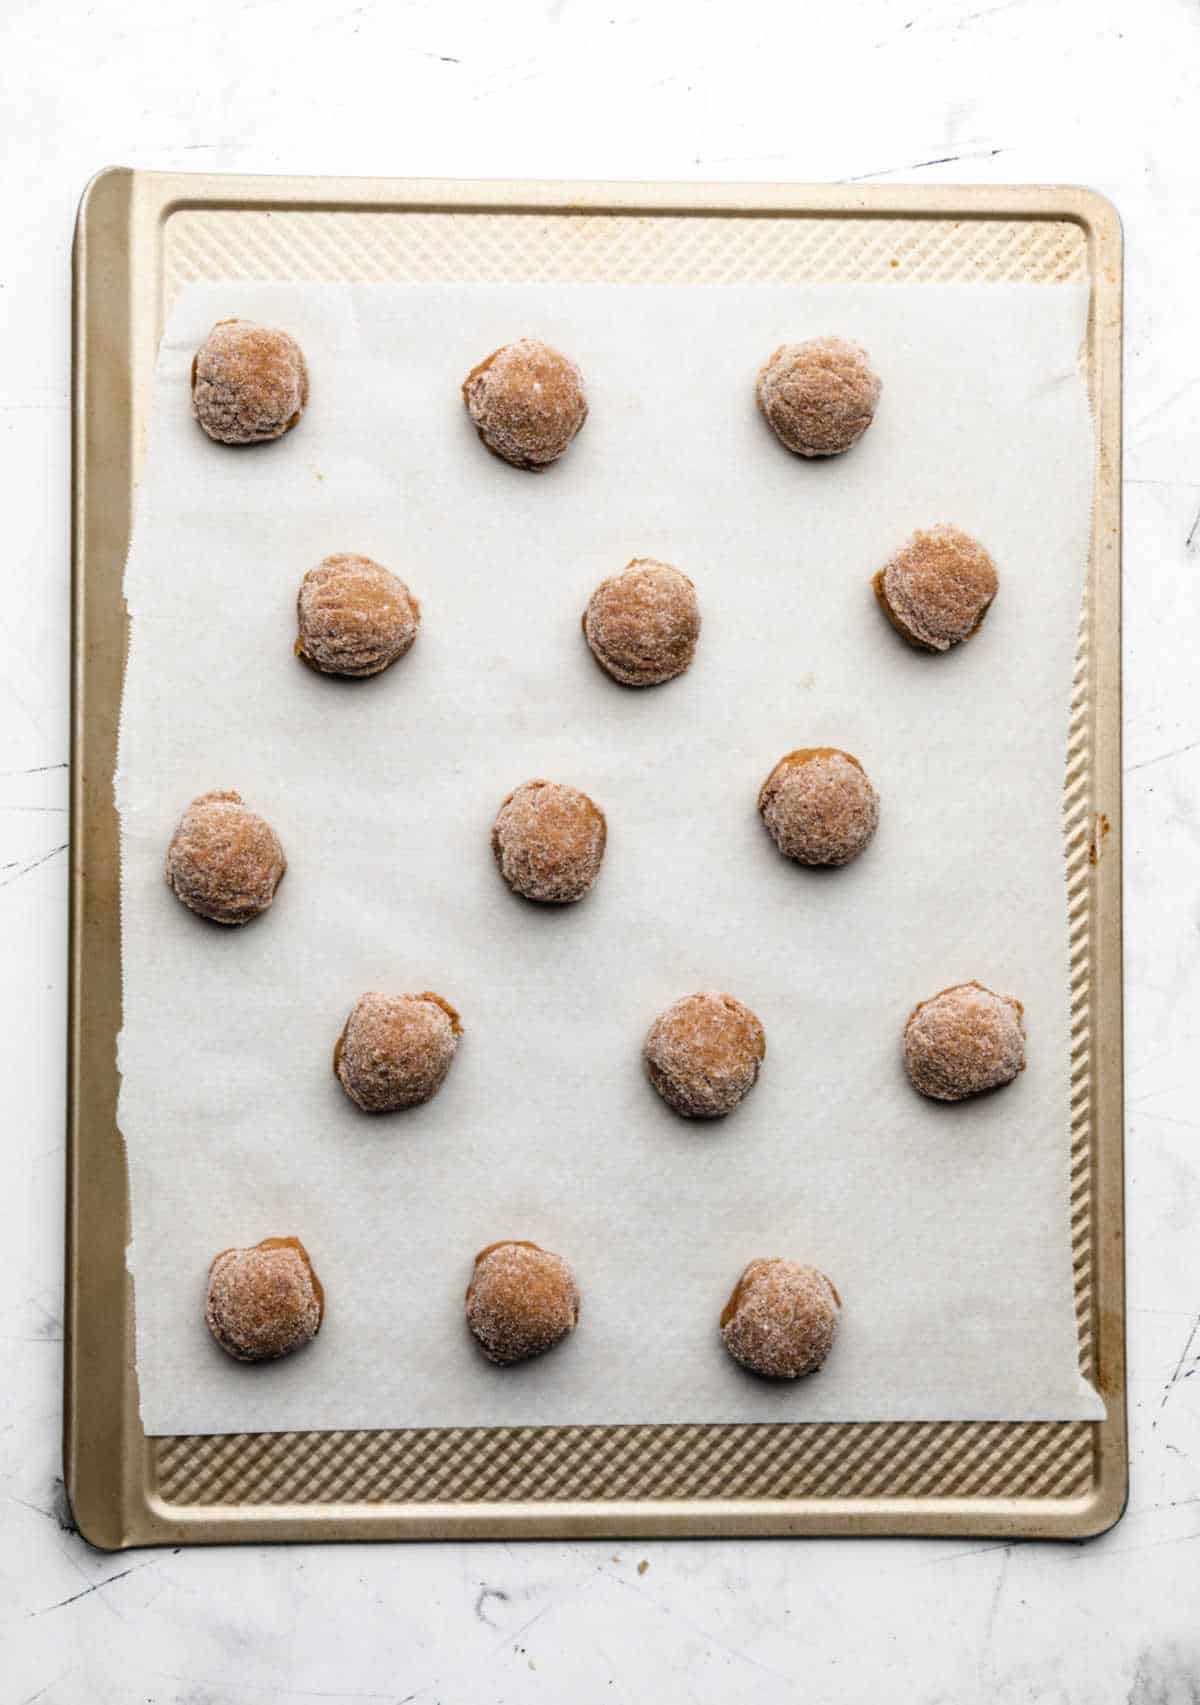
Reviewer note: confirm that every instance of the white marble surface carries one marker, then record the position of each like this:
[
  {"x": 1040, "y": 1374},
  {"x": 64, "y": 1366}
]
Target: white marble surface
[{"x": 1087, "y": 91}]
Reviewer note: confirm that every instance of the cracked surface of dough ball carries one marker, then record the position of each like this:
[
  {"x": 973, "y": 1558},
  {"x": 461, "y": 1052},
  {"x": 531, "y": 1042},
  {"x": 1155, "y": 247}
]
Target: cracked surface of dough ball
[
  {"x": 937, "y": 588},
  {"x": 395, "y": 1050},
  {"x": 265, "y": 1301},
  {"x": 964, "y": 1041},
  {"x": 819, "y": 397},
  {"x": 642, "y": 624},
  {"x": 355, "y": 617},
  {"x": 703, "y": 1054},
  {"x": 249, "y": 383},
  {"x": 819, "y": 806},
  {"x": 548, "y": 840},
  {"x": 782, "y": 1319},
  {"x": 527, "y": 402},
  {"x": 224, "y": 861},
  {"x": 521, "y": 1301}
]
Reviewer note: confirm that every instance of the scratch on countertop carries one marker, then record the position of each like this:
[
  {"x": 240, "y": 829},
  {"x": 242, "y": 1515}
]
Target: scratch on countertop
[
  {"x": 1175, "y": 752},
  {"x": 22, "y": 866},
  {"x": 1179, "y": 1374},
  {"x": 33, "y": 770},
  {"x": 486, "y": 1593},
  {"x": 919, "y": 165},
  {"x": 1187, "y": 545},
  {"x": 97, "y": 1586}
]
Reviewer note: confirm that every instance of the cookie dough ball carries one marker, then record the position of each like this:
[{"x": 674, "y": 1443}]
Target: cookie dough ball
[
  {"x": 703, "y": 1054},
  {"x": 527, "y": 402},
  {"x": 249, "y": 383},
  {"x": 819, "y": 806},
  {"x": 548, "y": 839},
  {"x": 224, "y": 860},
  {"x": 643, "y": 624},
  {"x": 819, "y": 397},
  {"x": 521, "y": 1300},
  {"x": 937, "y": 588},
  {"x": 782, "y": 1319},
  {"x": 264, "y": 1302},
  {"x": 355, "y": 618},
  {"x": 964, "y": 1040},
  {"x": 395, "y": 1050}
]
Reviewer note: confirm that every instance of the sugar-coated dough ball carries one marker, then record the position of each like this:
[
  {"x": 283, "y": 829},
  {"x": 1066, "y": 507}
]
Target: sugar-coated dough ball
[
  {"x": 548, "y": 839},
  {"x": 819, "y": 397},
  {"x": 521, "y": 1301},
  {"x": 642, "y": 624},
  {"x": 395, "y": 1050},
  {"x": 527, "y": 402},
  {"x": 224, "y": 860},
  {"x": 355, "y": 617},
  {"x": 782, "y": 1319},
  {"x": 963, "y": 1041},
  {"x": 819, "y": 806},
  {"x": 249, "y": 383},
  {"x": 703, "y": 1054},
  {"x": 937, "y": 588},
  {"x": 264, "y": 1302}
]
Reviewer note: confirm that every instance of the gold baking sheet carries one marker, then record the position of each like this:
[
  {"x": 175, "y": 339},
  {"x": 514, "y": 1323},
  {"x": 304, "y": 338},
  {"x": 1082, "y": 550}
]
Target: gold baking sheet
[{"x": 140, "y": 236}]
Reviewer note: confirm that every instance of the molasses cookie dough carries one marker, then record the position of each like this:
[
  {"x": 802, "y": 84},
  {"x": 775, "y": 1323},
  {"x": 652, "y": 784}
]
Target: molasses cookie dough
[
  {"x": 521, "y": 1301},
  {"x": 354, "y": 616},
  {"x": 819, "y": 397},
  {"x": 782, "y": 1319},
  {"x": 249, "y": 383},
  {"x": 527, "y": 402},
  {"x": 264, "y": 1302},
  {"x": 937, "y": 588},
  {"x": 819, "y": 806},
  {"x": 548, "y": 840},
  {"x": 703, "y": 1054},
  {"x": 964, "y": 1041},
  {"x": 395, "y": 1050},
  {"x": 224, "y": 861},
  {"x": 642, "y": 624}
]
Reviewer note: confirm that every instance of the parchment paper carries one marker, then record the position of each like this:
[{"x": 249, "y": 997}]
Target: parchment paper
[{"x": 944, "y": 1228}]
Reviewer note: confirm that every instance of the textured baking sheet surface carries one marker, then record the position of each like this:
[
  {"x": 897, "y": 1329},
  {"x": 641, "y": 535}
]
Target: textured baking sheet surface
[{"x": 140, "y": 238}]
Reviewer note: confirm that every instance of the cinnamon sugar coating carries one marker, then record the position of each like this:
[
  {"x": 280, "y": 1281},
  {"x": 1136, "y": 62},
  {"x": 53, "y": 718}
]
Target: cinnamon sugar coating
[
  {"x": 819, "y": 397},
  {"x": 395, "y": 1050},
  {"x": 521, "y": 1301},
  {"x": 249, "y": 383},
  {"x": 264, "y": 1302},
  {"x": 703, "y": 1054},
  {"x": 642, "y": 624},
  {"x": 819, "y": 806},
  {"x": 548, "y": 840},
  {"x": 937, "y": 588},
  {"x": 224, "y": 861},
  {"x": 527, "y": 402},
  {"x": 964, "y": 1041},
  {"x": 354, "y": 616},
  {"x": 782, "y": 1319}
]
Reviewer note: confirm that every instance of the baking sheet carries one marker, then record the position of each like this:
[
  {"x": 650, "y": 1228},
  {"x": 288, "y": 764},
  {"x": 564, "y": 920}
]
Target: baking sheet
[{"x": 945, "y": 1229}]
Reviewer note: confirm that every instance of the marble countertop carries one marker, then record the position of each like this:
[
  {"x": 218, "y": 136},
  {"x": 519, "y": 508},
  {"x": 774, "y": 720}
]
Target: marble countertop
[{"x": 1087, "y": 91}]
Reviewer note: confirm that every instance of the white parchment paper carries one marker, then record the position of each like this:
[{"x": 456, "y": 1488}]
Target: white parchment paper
[{"x": 944, "y": 1228}]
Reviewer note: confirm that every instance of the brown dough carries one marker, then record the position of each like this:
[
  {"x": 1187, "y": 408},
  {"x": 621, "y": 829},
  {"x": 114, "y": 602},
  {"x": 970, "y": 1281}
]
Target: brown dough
[
  {"x": 642, "y": 624},
  {"x": 937, "y": 588},
  {"x": 264, "y": 1302},
  {"x": 355, "y": 617},
  {"x": 549, "y": 841},
  {"x": 249, "y": 383},
  {"x": 782, "y": 1319},
  {"x": 521, "y": 1301},
  {"x": 819, "y": 397},
  {"x": 527, "y": 402},
  {"x": 819, "y": 806},
  {"x": 395, "y": 1050},
  {"x": 703, "y": 1054},
  {"x": 964, "y": 1041},
  {"x": 224, "y": 860}
]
